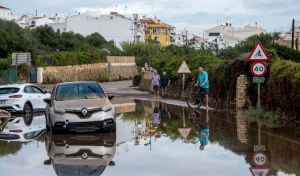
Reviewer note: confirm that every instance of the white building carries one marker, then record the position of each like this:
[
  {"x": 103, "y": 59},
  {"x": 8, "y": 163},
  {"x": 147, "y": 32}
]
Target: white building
[
  {"x": 5, "y": 13},
  {"x": 112, "y": 27},
  {"x": 227, "y": 35},
  {"x": 33, "y": 22}
]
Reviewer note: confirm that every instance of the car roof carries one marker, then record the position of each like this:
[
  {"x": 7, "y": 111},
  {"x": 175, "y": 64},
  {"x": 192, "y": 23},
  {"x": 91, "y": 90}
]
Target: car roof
[
  {"x": 16, "y": 85},
  {"x": 76, "y": 82}
]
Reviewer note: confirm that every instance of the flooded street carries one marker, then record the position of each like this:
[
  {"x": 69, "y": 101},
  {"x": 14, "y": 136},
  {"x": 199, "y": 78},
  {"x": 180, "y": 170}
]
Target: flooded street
[{"x": 152, "y": 138}]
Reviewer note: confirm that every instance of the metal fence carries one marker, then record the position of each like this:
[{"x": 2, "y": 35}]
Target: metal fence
[{"x": 8, "y": 76}]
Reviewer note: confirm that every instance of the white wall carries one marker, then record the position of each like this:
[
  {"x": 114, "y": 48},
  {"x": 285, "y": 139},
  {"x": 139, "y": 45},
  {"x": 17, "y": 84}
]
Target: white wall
[
  {"x": 62, "y": 27},
  {"x": 5, "y": 14},
  {"x": 110, "y": 27}
]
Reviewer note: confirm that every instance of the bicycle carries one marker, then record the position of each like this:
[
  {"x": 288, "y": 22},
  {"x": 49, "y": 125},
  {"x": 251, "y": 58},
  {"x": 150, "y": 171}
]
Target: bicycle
[{"x": 194, "y": 100}]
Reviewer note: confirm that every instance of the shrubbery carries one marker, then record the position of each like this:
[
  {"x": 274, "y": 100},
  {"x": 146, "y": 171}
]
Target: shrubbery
[{"x": 49, "y": 47}]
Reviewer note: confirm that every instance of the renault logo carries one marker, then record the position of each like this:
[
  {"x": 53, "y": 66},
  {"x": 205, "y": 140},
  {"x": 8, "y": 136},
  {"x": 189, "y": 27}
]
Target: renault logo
[
  {"x": 84, "y": 112},
  {"x": 84, "y": 155}
]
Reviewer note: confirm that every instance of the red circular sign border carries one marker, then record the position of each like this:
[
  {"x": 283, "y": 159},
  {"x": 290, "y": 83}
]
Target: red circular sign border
[
  {"x": 263, "y": 153},
  {"x": 256, "y": 75}
]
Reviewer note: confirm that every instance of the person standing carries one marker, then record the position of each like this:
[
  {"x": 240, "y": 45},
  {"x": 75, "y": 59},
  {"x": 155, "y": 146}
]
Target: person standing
[
  {"x": 165, "y": 82},
  {"x": 203, "y": 82},
  {"x": 156, "y": 83}
]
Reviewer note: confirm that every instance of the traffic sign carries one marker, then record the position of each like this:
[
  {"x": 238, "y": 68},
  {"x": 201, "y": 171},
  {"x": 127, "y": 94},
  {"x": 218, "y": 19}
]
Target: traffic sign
[
  {"x": 259, "y": 159},
  {"x": 184, "y": 132},
  {"x": 184, "y": 68},
  {"x": 258, "y": 69},
  {"x": 258, "y": 54},
  {"x": 259, "y": 171},
  {"x": 259, "y": 79},
  {"x": 259, "y": 148}
]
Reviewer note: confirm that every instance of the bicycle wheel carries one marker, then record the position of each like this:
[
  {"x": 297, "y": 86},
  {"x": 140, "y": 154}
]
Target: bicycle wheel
[{"x": 194, "y": 101}]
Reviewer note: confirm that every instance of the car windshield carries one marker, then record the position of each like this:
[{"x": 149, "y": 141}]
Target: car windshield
[
  {"x": 79, "y": 91},
  {"x": 9, "y": 90}
]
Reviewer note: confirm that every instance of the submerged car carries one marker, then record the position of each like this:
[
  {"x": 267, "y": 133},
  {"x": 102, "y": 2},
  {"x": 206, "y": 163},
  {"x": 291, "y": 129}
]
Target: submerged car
[
  {"x": 23, "y": 98},
  {"x": 79, "y": 107},
  {"x": 80, "y": 154}
]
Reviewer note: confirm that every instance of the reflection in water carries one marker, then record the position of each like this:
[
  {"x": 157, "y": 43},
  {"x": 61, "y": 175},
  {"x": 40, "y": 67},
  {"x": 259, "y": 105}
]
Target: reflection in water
[
  {"x": 144, "y": 146},
  {"x": 81, "y": 154},
  {"x": 204, "y": 132},
  {"x": 22, "y": 129},
  {"x": 241, "y": 126}
]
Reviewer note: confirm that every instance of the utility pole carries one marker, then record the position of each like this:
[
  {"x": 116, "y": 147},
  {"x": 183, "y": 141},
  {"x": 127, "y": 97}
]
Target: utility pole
[
  {"x": 293, "y": 33},
  {"x": 297, "y": 43},
  {"x": 135, "y": 27}
]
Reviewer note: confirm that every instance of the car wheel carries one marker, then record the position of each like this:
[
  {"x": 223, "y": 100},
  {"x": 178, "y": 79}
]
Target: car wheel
[{"x": 28, "y": 114}]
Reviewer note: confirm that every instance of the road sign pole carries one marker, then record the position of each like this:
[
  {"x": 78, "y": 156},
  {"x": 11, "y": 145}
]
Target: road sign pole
[
  {"x": 183, "y": 115},
  {"x": 183, "y": 82},
  {"x": 258, "y": 95}
]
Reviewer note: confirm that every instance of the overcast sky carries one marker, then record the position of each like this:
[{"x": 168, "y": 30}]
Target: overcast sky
[{"x": 195, "y": 15}]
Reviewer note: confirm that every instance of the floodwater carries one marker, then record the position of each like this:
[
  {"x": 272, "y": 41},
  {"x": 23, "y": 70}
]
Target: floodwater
[{"x": 153, "y": 139}]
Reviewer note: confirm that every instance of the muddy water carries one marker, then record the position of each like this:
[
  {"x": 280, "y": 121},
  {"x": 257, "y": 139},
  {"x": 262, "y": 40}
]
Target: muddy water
[{"x": 153, "y": 139}]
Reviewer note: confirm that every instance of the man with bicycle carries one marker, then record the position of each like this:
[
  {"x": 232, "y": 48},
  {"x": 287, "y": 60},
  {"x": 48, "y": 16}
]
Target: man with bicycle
[{"x": 203, "y": 83}]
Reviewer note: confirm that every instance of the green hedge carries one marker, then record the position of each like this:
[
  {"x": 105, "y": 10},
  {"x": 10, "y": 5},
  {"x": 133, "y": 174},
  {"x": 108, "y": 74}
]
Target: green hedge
[{"x": 69, "y": 58}]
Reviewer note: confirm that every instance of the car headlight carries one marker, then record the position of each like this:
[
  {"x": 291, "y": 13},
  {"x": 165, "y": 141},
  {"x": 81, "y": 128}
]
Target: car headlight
[
  {"x": 106, "y": 108},
  {"x": 59, "y": 111}
]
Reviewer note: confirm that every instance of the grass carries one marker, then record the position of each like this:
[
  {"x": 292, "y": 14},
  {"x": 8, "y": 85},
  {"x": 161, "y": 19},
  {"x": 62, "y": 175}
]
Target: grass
[{"x": 266, "y": 118}]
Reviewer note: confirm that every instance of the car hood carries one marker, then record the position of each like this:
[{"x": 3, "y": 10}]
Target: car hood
[{"x": 82, "y": 103}]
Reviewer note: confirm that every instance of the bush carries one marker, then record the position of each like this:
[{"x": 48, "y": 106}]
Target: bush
[{"x": 65, "y": 58}]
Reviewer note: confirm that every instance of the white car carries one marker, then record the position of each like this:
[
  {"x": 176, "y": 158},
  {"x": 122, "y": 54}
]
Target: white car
[{"x": 22, "y": 98}]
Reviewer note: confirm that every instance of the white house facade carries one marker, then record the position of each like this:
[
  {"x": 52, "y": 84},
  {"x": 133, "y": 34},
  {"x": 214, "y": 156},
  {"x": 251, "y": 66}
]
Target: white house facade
[
  {"x": 5, "y": 13},
  {"x": 227, "y": 35},
  {"x": 112, "y": 27}
]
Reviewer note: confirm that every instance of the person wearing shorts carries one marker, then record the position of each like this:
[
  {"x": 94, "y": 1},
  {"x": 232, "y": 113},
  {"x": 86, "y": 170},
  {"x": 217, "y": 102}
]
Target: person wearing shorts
[
  {"x": 156, "y": 83},
  {"x": 203, "y": 82}
]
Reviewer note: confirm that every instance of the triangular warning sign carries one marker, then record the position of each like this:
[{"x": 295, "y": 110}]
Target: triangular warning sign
[
  {"x": 258, "y": 54},
  {"x": 259, "y": 171},
  {"x": 184, "y": 68},
  {"x": 184, "y": 132}
]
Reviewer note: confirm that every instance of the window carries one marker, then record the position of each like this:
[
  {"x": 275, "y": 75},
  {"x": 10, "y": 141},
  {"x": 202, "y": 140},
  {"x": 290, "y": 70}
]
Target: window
[
  {"x": 28, "y": 89},
  {"x": 156, "y": 30},
  {"x": 214, "y": 34},
  {"x": 37, "y": 90},
  {"x": 79, "y": 91},
  {"x": 9, "y": 90}
]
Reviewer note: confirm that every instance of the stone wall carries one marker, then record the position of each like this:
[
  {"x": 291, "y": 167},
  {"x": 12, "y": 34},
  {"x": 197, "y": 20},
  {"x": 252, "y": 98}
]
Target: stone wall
[
  {"x": 146, "y": 81},
  {"x": 89, "y": 72},
  {"x": 241, "y": 91},
  {"x": 118, "y": 68}
]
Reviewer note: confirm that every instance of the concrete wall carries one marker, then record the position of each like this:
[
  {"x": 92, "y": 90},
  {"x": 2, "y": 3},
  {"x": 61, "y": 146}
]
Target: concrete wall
[{"x": 113, "y": 70}]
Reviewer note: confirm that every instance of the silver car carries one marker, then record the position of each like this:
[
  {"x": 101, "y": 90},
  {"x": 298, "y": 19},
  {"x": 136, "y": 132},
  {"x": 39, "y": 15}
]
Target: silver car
[{"x": 79, "y": 107}]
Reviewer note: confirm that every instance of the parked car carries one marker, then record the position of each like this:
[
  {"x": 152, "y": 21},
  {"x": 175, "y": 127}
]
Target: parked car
[
  {"x": 20, "y": 130},
  {"x": 79, "y": 107},
  {"x": 23, "y": 98},
  {"x": 80, "y": 154}
]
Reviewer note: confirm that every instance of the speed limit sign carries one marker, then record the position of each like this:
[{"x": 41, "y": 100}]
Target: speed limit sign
[
  {"x": 258, "y": 69},
  {"x": 259, "y": 159}
]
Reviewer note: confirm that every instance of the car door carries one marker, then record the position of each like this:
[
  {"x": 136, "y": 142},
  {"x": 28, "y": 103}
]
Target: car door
[
  {"x": 31, "y": 96},
  {"x": 40, "y": 95}
]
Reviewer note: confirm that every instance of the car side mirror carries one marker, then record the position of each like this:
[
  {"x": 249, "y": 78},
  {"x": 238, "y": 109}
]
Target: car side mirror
[
  {"x": 47, "y": 101},
  {"x": 111, "y": 97},
  {"x": 46, "y": 91}
]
